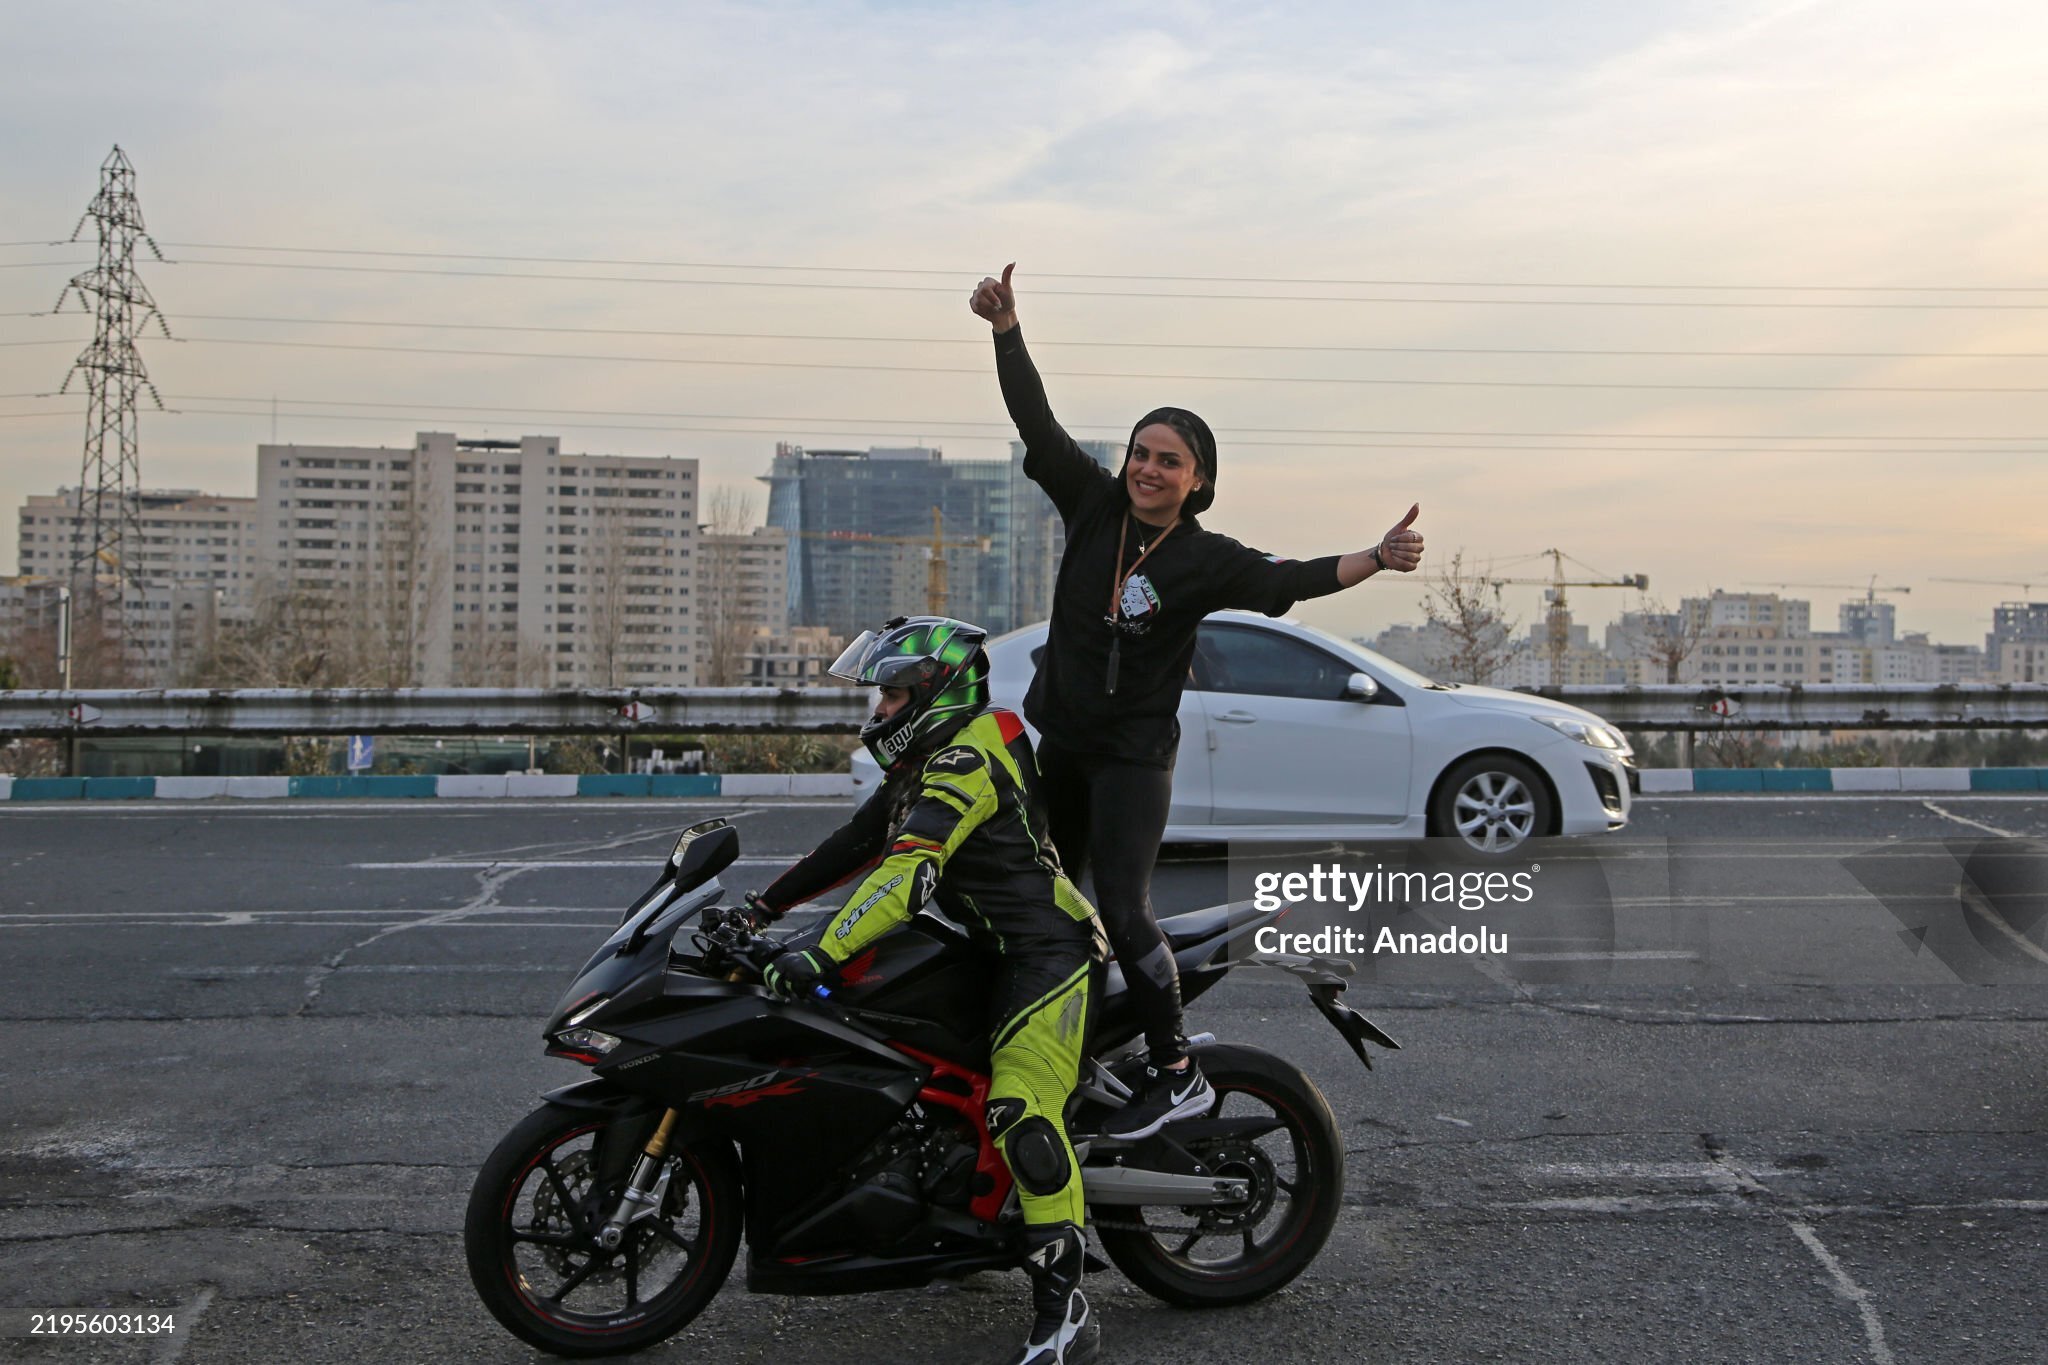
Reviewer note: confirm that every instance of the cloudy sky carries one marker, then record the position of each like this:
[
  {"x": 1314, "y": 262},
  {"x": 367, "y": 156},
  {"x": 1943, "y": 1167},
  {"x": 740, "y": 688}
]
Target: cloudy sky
[{"x": 1725, "y": 293}]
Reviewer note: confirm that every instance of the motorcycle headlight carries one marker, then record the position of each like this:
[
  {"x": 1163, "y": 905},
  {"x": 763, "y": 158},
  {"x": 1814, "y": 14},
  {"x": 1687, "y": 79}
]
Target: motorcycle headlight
[
  {"x": 1586, "y": 732},
  {"x": 586, "y": 1040}
]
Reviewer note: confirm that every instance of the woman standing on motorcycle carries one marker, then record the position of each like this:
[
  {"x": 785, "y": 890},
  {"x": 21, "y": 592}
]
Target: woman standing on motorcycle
[
  {"x": 1138, "y": 575},
  {"x": 956, "y": 821}
]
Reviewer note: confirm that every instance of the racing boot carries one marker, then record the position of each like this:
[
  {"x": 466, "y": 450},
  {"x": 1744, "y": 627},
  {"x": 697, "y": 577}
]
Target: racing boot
[{"x": 1064, "y": 1331}]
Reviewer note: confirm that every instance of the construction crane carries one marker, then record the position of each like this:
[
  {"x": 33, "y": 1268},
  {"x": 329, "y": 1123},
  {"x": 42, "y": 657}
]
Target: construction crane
[
  {"x": 1869, "y": 590},
  {"x": 935, "y": 547},
  {"x": 1558, "y": 614},
  {"x": 2026, "y": 588}
]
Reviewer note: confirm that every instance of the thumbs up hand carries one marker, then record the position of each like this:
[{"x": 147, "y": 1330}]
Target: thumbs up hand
[
  {"x": 1401, "y": 546},
  {"x": 995, "y": 301}
]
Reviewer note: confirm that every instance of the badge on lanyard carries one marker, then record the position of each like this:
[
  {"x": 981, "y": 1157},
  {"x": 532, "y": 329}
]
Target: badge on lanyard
[{"x": 1140, "y": 598}]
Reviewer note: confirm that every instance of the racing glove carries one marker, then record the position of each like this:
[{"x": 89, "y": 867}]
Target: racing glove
[
  {"x": 793, "y": 972},
  {"x": 758, "y": 909}
]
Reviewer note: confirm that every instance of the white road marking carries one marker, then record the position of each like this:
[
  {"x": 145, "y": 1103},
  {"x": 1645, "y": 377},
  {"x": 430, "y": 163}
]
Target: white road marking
[
  {"x": 1973, "y": 824},
  {"x": 1873, "y": 1330},
  {"x": 303, "y": 809},
  {"x": 645, "y": 863},
  {"x": 1624, "y": 955},
  {"x": 1830, "y": 798},
  {"x": 1973, "y": 900},
  {"x": 375, "y": 969}
]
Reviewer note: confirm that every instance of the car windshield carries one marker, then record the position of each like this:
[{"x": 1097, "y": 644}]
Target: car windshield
[{"x": 1381, "y": 663}]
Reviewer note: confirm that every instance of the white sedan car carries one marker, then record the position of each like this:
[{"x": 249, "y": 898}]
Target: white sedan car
[{"x": 1288, "y": 732}]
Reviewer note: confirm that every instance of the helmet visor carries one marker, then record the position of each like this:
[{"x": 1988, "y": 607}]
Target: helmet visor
[{"x": 851, "y": 660}]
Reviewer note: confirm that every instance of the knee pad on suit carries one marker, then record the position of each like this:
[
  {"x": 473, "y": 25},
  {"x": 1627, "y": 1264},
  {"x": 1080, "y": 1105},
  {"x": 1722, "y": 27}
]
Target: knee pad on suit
[{"x": 1037, "y": 1157}]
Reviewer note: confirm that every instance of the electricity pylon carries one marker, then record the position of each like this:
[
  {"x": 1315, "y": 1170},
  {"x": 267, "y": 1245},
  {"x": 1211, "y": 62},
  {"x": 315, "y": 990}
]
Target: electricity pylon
[{"x": 106, "y": 540}]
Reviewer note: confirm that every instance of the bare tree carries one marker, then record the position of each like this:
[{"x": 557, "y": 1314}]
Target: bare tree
[
  {"x": 605, "y": 583},
  {"x": 1664, "y": 637},
  {"x": 399, "y": 584},
  {"x": 1477, "y": 633},
  {"x": 721, "y": 597}
]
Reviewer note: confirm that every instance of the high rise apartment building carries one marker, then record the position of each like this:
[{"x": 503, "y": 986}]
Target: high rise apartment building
[
  {"x": 186, "y": 537},
  {"x": 2013, "y": 623},
  {"x": 742, "y": 598},
  {"x": 860, "y": 524},
  {"x": 472, "y": 562}
]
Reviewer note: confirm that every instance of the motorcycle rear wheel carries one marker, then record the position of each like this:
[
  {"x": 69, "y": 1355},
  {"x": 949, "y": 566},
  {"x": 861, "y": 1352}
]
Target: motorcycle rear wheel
[
  {"x": 530, "y": 1235},
  {"x": 1297, "y": 1175}
]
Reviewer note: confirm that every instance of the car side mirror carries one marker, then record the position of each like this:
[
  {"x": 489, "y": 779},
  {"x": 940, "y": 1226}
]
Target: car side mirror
[{"x": 1361, "y": 687}]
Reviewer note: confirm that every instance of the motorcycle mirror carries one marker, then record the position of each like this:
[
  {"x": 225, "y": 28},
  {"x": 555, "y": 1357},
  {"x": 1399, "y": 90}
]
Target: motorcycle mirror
[{"x": 704, "y": 850}]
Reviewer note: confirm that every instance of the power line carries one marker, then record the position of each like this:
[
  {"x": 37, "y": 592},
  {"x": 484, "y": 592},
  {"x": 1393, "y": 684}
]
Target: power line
[
  {"x": 1094, "y": 293},
  {"x": 983, "y": 371},
  {"x": 914, "y": 422},
  {"x": 409, "y": 324},
  {"x": 1076, "y": 275},
  {"x": 927, "y": 430}
]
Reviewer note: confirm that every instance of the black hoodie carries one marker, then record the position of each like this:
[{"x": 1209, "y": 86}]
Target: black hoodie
[{"x": 1190, "y": 574}]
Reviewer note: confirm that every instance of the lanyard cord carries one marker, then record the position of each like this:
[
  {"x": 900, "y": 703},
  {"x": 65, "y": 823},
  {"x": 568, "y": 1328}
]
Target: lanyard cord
[{"x": 1119, "y": 577}]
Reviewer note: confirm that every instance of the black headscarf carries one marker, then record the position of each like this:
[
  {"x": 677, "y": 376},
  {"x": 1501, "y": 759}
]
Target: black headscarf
[{"x": 1201, "y": 441}]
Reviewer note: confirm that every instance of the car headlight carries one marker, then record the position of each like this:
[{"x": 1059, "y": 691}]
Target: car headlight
[{"x": 1587, "y": 732}]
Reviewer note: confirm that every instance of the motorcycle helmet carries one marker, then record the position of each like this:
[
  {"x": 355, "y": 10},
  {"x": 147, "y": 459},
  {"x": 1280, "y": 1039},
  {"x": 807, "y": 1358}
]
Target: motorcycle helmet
[{"x": 939, "y": 660}]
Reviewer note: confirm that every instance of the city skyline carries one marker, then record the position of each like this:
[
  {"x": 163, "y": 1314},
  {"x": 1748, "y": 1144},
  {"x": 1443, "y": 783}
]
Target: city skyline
[{"x": 1668, "y": 145}]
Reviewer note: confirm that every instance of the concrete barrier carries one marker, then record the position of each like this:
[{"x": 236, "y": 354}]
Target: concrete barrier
[
  {"x": 1934, "y": 779},
  {"x": 259, "y": 788},
  {"x": 191, "y": 788},
  {"x": 540, "y": 784},
  {"x": 471, "y": 784},
  {"x": 612, "y": 784},
  {"x": 1865, "y": 779},
  {"x": 744, "y": 786},
  {"x": 119, "y": 788},
  {"x": 48, "y": 789}
]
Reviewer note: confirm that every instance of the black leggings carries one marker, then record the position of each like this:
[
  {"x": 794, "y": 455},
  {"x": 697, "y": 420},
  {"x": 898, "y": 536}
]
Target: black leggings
[{"x": 1109, "y": 814}]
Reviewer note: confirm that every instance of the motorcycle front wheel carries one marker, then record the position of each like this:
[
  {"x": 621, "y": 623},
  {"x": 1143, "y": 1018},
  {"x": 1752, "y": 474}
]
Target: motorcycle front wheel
[
  {"x": 1217, "y": 1257},
  {"x": 531, "y": 1239}
]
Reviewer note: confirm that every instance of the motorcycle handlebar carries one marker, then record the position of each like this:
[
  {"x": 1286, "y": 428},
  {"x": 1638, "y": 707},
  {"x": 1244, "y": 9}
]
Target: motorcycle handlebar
[{"x": 732, "y": 931}]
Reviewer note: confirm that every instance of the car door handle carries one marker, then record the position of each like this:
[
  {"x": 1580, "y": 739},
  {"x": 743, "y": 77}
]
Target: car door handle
[{"x": 1238, "y": 717}]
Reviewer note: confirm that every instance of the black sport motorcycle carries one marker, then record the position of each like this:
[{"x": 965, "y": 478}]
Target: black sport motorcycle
[{"x": 844, "y": 1134}]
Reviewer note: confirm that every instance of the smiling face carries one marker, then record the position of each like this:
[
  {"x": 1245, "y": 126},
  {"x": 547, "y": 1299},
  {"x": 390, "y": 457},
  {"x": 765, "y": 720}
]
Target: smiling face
[{"x": 1160, "y": 473}]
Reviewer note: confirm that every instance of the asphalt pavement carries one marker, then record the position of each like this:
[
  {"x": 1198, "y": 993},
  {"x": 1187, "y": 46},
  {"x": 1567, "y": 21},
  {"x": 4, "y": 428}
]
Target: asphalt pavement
[{"x": 1786, "y": 1100}]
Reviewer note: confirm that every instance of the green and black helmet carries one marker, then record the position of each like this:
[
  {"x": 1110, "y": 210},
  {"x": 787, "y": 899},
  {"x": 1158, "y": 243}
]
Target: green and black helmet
[{"x": 940, "y": 661}]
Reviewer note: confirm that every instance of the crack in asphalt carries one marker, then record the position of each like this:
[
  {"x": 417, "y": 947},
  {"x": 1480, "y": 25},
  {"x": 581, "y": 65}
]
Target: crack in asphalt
[{"x": 489, "y": 883}]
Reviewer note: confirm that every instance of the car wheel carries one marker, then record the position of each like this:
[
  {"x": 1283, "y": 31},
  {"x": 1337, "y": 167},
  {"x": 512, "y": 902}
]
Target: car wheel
[{"x": 1492, "y": 804}]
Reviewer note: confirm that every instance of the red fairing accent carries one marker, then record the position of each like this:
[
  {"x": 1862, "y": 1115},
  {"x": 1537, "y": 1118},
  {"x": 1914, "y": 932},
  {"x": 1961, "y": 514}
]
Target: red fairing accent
[
  {"x": 1009, "y": 725},
  {"x": 740, "y": 1099},
  {"x": 970, "y": 1106},
  {"x": 860, "y": 971}
]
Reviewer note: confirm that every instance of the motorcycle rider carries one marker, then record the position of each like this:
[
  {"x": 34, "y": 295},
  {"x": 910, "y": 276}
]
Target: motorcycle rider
[{"x": 956, "y": 820}]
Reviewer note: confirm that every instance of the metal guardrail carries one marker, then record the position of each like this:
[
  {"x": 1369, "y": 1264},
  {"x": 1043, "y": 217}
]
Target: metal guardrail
[
  {"x": 826, "y": 710},
  {"x": 1817, "y": 706},
  {"x": 434, "y": 711}
]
